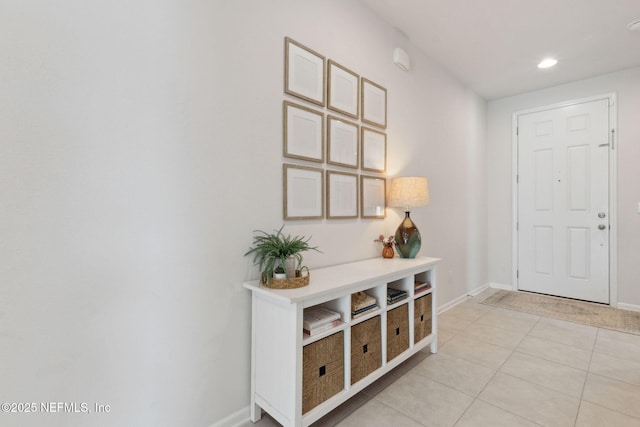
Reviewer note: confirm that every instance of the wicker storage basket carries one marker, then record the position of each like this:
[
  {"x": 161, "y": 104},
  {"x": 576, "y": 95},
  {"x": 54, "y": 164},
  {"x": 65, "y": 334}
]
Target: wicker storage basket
[
  {"x": 422, "y": 318},
  {"x": 366, "y": 348},
  {"x": 322, "y": 370},
  {"x": 397, "y": 331},
  {"x": 289, "y": 283}
]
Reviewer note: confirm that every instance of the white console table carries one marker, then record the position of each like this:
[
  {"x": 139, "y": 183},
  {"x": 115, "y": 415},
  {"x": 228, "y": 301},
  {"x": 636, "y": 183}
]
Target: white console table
[{"x": 281, "y": 376}]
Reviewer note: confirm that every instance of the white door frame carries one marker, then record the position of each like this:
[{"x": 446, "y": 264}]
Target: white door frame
[{"x": 613, "y": 189}]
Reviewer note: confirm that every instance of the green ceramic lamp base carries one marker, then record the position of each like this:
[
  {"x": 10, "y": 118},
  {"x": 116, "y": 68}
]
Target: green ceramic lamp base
[{"x": 408, "y": 240}]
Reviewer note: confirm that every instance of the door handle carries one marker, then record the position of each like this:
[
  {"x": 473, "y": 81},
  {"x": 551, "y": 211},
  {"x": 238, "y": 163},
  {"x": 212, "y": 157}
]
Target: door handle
[
  {"x": 601, "y": 227},
  {"x": 601, "y": 215}
]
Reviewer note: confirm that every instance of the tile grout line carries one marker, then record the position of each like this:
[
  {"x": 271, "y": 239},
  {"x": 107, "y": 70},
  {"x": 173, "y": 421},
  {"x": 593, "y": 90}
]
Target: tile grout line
[
  {"x": 589, "y": 372},
  {"x": 554, "y": 361},
  {"x": 512, "y": 350},
  {"x": 498, "y": 370},
  {"x": 477, "y": 397},
  {"x": 474, "y": 398},
  {"x": 401, "y": 413},
  {"x": 593, "y": 374},
  {"x": 586, "y": 377}
]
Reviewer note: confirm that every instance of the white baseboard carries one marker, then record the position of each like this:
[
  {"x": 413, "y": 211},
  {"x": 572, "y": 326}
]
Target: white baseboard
[
  {"x": 463, "y": 298},
  {"x": 236, "y": 419},
  {"x": 502, "y": 286},
  {"x": 451, "y": 304},
  {"x": 632, "y": 307},
  {"x": 478, "y": 290}
]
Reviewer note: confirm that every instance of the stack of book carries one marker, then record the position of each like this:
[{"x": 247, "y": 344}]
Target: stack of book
[
  {"x": 421, "y": 286},
  {"x": 395, "y": 295},
  {"x": 362, "y": 303},
  {"x": 319, "y": 319}
]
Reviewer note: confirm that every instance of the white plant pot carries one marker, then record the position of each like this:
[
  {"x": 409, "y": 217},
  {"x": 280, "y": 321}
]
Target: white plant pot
[{"x": 290, "y": 267}]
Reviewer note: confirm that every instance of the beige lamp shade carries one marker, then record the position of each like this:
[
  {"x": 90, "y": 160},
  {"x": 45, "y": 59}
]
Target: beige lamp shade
[{"x": 409, "y": 191}]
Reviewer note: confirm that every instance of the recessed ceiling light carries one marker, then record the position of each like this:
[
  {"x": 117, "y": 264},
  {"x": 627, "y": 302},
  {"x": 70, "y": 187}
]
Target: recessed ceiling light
[
  {"x": 634, "y": 26},
  {"x": 547, "y": 62}
]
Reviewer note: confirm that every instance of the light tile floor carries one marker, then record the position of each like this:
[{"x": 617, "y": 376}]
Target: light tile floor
[{"x": 499, "y": 367}]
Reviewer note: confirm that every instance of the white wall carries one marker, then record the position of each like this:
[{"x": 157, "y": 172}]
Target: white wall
[
  {"x": 140, "y": 145},
  {"x": 627, "y": 86}
]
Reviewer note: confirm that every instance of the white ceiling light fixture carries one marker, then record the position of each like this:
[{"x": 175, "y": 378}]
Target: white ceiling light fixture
[
  {"x": 547, "y": 63},
  {"x": 634, "y": 26}
]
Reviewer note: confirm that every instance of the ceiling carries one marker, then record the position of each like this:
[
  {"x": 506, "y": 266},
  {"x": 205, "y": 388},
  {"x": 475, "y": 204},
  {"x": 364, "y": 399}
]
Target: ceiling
[{"x": 494, "y": 46}]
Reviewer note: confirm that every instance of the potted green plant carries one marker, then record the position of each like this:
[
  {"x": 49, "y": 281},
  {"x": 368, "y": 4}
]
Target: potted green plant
[{"x": 271, "y": 251}]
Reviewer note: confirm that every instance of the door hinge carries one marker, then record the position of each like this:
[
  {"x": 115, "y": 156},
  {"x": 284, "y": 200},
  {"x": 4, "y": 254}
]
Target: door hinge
[
  {"x": 613, "y": 134},
  {"x": 517, "y": 226},
  {"x": 517, "y": 131},
  {"x": 517, "y": 179},
  {"x": 517, "y": 274}
]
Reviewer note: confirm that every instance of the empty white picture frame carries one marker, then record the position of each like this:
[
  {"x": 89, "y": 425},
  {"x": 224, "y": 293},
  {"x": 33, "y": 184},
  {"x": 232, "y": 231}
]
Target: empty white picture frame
[
  {"x": 343, "y": 90},
  {"x": 304, "y": 75},
  {"x": 303, "y": 192},
  {"x": 373, "y": 200},
  {"x": 374, "y": 103},
  {"x": 343, "y": 142},
  {"x": 342, "y": 195},
  {"x": 303, "y": 131},
  {"x": 374, "y": 150}
]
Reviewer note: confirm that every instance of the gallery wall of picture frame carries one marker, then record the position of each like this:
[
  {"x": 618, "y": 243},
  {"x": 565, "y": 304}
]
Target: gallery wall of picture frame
[{"x": 337, "y": 121}]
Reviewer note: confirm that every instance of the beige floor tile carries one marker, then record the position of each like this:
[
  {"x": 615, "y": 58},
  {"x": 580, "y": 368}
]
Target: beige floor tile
[
  {"x": 423, "y": 399},
  {"x": 265, "y": 421},
  {"x": 535, "y": 384},
  {"x": 416, "y": 359},
  {"x": 482, "y": 295},
  {"x": 470, "y": 310},
  {"x": 389, "y": 378},
  {"x": 531, "y": 401},
  {"x": 479, "y": 309},
  {"x": 493, "y": 335},
  {"x": 453, "y": 322},
  {"x": 612, "y": 394},
  {"x": 591, "y": 415},
  {"x": 343, "y": 411},
  {"x": 613, "y": 367},
  {"x": 460, "y": 374},
  {"x": 632, "y": 340},
  {"x": 481, "y": 414},
  {"x": 482, "y": 353},
  {"x": 618, "y": 344},
  {"x": 573, "y": 334},
  {"x": 376, "y": 414},
  {"x": 510, "y": 320},
  {"x": 556, "y": 352},
  {"x": 444, "y": 335},
  {"x": 548, "y": 374}
]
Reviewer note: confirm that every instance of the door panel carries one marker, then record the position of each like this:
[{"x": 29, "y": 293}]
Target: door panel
[
  {"x": 543, "y": 175},
  {"x": 578, "y": 243},
  {"x": 563, "y": 170},
  {"x": 578, "y": 178},
  {"x": 544, "y": 250}
]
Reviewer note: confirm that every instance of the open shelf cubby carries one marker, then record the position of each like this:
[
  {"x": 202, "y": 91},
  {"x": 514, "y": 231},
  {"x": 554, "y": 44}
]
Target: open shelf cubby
[{"x": 299, "y": 377}]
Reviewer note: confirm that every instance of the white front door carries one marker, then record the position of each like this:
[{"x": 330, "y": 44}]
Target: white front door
[{"x": 563, "y": 201}]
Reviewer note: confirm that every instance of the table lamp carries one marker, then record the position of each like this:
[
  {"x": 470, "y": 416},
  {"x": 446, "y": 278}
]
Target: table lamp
[{"x": 408, "y": 192}]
